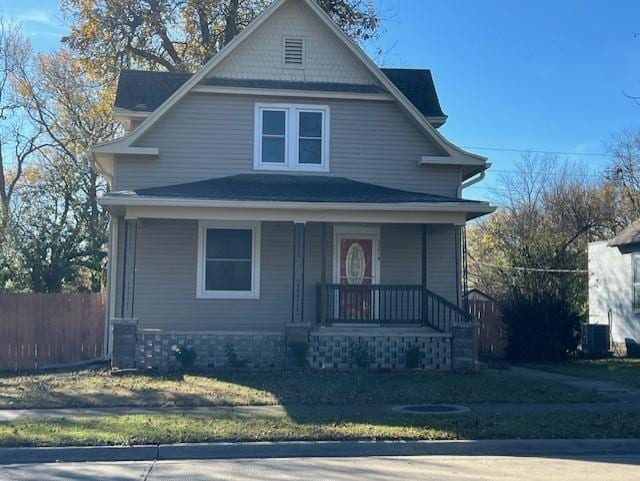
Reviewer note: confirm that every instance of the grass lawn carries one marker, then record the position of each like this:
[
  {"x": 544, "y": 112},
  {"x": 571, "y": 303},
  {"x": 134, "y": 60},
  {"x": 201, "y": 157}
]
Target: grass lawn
[
  {"x": 100, "y": 389},
  {"x": 625, "y": 371},
  {"x": 151, "y": 429}
]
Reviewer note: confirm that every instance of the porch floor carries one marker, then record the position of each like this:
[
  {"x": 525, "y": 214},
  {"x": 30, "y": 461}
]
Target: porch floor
[{"x": 379, "y": 330}]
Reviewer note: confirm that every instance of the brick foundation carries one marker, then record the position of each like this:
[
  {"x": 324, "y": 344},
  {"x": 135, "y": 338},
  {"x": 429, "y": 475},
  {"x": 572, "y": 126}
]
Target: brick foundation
[
  {"x": 464, "y": 351},
  {"x": 252, "y": 350},
  {"x": 385, "y": 348},
  {"x": 124, "y": 335},
  {"x": 339, "y": 348}
]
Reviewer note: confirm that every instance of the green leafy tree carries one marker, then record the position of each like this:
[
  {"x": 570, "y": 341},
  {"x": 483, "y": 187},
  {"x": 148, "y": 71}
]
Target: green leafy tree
[
  {"x": 531, "y": 254},
  {"x": 54, "y": 232}
]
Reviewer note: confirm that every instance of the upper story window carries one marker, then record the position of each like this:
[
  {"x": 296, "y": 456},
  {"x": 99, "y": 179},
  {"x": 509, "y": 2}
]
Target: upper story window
[{"x": 291, "y": 137}]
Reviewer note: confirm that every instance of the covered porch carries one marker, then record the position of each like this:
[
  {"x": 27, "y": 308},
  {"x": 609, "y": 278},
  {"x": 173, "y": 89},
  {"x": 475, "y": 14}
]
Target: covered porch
[{"x": 388, "y": 276}]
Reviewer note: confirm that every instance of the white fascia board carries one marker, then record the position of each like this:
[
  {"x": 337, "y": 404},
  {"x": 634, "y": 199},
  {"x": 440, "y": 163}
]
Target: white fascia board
[
  {"x": 438, "y": 121},
  {"x": 119, "y": 113},
  {"x": 103, "y": 163},
  {"x": 446, "y": 160},
  {"x": 134, "y": 200},
  {"x": 212, "y": 89},
  {"x": 296, "y": 215},
  {"x": 116, "y": 148}
]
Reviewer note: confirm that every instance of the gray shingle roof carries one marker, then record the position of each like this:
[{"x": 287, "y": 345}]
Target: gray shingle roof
[
  {"x": 629, "y": 236},
  {"x": 289, "y": 188},
  {"x": 145, "y": 91},
  {"x": 417, "y": 85}
]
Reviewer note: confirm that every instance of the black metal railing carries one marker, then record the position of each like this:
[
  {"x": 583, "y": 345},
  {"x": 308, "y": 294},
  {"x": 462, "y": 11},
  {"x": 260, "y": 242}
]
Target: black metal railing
[{"x": 387, "y": 305}]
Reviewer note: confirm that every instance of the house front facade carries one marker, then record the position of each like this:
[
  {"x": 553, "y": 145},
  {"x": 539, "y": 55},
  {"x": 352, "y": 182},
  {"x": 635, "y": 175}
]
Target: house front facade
[{"x": 289, "y": 197}]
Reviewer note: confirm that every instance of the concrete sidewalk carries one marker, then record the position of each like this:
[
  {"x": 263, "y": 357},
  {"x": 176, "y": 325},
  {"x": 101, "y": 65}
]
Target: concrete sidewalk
[
  {"x": 617, "y": 390},
  {"x": 338, "y": 410}
]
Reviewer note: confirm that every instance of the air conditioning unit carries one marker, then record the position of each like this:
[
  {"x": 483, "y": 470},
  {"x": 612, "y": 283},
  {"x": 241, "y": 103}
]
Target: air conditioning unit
[{"x": 595, "y": 339}]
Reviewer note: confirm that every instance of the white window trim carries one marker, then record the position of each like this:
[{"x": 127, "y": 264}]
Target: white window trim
[
  {"x": 291, "y": 137},
  {"x": 254, "y": 293}
]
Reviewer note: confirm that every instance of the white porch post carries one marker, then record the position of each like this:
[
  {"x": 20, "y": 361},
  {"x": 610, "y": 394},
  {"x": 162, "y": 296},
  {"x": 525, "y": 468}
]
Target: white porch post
[{"x": 299, "y": 251}]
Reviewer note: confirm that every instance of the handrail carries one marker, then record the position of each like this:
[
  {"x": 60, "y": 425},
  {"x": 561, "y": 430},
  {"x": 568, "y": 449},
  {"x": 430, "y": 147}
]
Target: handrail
[{"x": 386, "y": 305}]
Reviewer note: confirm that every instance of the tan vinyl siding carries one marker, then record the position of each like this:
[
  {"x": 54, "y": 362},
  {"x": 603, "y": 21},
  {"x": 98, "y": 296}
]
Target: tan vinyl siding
[
  {"x": 165, "y": 283},
  {"x": 206, "y": 136},
  {"x": 441, "y": 261}
]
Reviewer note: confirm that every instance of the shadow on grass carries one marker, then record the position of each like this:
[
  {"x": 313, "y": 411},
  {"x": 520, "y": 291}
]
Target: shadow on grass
[{"x": 219, "y": 388}]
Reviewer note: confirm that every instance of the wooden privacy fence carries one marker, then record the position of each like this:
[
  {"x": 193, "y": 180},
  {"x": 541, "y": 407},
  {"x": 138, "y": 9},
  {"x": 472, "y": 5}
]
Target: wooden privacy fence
[
  {"x": 492, "y": 333},
  {"x": 46, "y": 329}
]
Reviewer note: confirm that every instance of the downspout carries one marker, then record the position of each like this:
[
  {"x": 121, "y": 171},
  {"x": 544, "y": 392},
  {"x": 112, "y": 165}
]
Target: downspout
[{"x": 473, "y": 180}]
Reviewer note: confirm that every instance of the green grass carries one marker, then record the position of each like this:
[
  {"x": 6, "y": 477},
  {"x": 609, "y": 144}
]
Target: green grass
[
  {"x": 625, "y": 371},
  {"x": 164, "y": 428},
  {"x": 100, "y": 389}
]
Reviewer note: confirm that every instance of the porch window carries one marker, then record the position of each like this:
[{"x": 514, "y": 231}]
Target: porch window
[
  {"x": 635, "y": 260},
  {"x": 228, "y": 260},
  {"x": 291, "y": 137}
]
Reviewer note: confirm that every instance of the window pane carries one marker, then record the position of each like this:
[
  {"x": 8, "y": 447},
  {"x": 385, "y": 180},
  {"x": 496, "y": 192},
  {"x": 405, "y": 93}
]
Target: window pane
[
  {"x": 229, "y": 244},
  {"x": 228, "y": 276},
  {"x": 636, "y": 296},
  {"x": 273, "y": 122},
  {"x": 310, "y": 151},
  {"x": 310, "y": 124},
  {"x": 273, "y": 150},
  {"x": 636, "y": 268}
]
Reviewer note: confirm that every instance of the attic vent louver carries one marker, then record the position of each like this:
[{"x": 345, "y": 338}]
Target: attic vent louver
[{"x": 293, "y": 52}]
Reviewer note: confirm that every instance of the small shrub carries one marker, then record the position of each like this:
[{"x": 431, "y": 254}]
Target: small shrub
[
  {"x": 413, "y": 357},
  {"x": 298, "y": 350},
  {"x": 232, "y": 357},
  {"x": 360, "y": 354},
  {"x": 185, "y": 355}
]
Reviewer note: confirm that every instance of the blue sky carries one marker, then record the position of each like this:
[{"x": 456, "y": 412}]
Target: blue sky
[{"x": 540, "y": 75}]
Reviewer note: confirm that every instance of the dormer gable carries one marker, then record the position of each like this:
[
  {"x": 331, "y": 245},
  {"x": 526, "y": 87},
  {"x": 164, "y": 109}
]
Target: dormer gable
[
  {"x": 294, "y": 45},
  {"x": 336, "y": 65}
]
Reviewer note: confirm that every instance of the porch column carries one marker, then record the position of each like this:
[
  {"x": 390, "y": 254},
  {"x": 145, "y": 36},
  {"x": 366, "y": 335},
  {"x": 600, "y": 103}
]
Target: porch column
[
  {"x": 321, "y": 297},
  {"x": 299, "y": 248},
  {"x": 423, "y": 271},
  {"x": 129, "y": 268},
  {"x": 124, "y": 328}
]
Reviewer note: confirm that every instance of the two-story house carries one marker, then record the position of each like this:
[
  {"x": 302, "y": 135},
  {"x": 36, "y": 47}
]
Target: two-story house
[{"x": 290, "y": 191}]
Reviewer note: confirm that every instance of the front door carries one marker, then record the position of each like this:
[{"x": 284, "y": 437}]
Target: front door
[{"x": 356, "y": 269}]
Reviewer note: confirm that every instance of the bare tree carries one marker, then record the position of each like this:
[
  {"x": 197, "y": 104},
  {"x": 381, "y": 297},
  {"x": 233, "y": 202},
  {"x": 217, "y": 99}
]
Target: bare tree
[
  {"x": 623, "y": 174},
  {"x": 18, "y": 140}
]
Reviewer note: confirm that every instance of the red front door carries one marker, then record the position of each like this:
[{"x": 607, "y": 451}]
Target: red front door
[{"x": 356, "y": 271}]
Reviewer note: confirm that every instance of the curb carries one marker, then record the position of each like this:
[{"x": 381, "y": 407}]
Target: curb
[{"x": 495, "y": 447}]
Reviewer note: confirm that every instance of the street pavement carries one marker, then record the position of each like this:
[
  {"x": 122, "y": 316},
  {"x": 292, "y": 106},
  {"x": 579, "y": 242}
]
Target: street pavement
[{"x": 426, "y": 468}]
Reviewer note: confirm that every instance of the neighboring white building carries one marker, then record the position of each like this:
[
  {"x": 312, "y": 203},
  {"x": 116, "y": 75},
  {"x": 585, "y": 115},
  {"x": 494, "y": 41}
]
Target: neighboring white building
[{"x": 614, "y": 285}]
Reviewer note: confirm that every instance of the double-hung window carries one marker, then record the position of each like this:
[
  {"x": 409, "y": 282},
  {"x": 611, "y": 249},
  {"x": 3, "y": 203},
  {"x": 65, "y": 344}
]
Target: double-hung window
[
  {"x": 228, "y": 260},
  {"x": 291, "y": 137}
]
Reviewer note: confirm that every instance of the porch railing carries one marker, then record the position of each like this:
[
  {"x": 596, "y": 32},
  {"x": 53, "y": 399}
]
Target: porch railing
[{"x": 386, "y": 305}]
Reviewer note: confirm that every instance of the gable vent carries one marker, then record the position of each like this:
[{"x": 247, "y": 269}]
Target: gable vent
[{"x": 293, "y": 51}]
